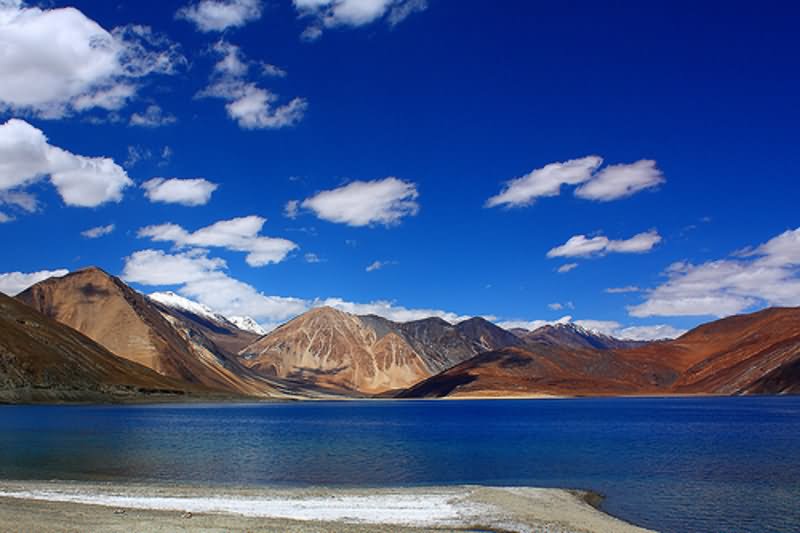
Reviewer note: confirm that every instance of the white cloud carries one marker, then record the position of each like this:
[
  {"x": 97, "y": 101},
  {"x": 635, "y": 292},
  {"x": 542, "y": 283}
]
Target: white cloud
[
  {"x": 568, "y": 267},
  {"x": 766, "y": 275},
  {"x": 13, "y": 283},
  {"x": 532, "y": 325},
  {"x": 292, "y": 208},
  {"x": 377, "y": 265},
  {"x": 189, "y": 192},
  {"x": 251, "y": 106},
  {"x": 353, "y": 13},
  {"x": 5, "y": 218},
  {"x": 582, "y": 246},
  {"x": 97, "y": 232},
  {"x": 623, "y": 290},
  {"x": 389, "y": 310},
  {"x": 611, "y": 183},
  {"x": 610, "y": 328},
  {"x": 312, "y": 258},
  {"x": 363, "y": 203},
  {"x": 621, "y": 181},
  {"x": 558, "y": 306},
  {"x": 58, "y": 61},
  {"x": 649, "y": 333},
  {"x": 153, "y": 117},
  {"x": 238, "y": 234},
  {"x": 273, "y": 71},
  {"x": 26, "y": 157},
  {"x": 220, "y": 15},
  {"x": 204, "y": 280},
  {"x": 545, "y": 181}
]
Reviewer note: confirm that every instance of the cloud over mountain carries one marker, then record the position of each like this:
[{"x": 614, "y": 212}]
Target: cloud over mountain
[
  {"x": 240, "y": 234},
  {"x": 13, "y": 283},
  {"x": 768, "y": 274}
]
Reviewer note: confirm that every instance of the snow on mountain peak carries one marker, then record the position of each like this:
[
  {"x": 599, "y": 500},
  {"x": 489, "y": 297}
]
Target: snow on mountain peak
[{"x": 247, "y": 324}]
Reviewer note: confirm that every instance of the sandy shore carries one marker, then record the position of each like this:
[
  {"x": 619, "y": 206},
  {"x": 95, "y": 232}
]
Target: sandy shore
[{"x": 67, "y": 507}]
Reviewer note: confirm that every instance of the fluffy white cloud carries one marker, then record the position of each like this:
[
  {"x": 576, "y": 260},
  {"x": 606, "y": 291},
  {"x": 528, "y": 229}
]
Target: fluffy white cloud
[
  {"x": 620, "y": 181},
  {"x": 558, "y": 306},
  {"x": 189, "y": 192},
  {"x": 220, "y": 15},
  {"x": 582, "y": 246},
  {"x": 545, "y": 181},
  {"x": 312, "y": 258},
  {"x": 204, "y": 279},
  {"x": 5, "y": 218},
  {"x": 97, "y": 232},
  {"x": 353, "y": 13},
  {"x": 568, "y": 267},
  {"x": 58, "y": 61},
  {"x": 153, "y": 117},
  {"x": 766, "y": 275},
  {"x": 251, "y": 106},
  {"x": 13, "y": 283},
  {"x": 27, "y": 157},
  {"x": 238, "y": 234},
  {"x": 611, "y": 183},
  {"x": 363, "y": 203}
]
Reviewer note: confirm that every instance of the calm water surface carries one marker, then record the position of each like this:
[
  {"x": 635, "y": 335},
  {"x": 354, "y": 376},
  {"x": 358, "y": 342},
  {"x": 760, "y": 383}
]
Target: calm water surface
[{"x": 677, "y": 465}]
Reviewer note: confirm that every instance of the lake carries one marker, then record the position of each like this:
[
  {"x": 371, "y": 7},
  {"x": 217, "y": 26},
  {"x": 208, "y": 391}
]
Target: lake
[{"x": 676, "y": 464}]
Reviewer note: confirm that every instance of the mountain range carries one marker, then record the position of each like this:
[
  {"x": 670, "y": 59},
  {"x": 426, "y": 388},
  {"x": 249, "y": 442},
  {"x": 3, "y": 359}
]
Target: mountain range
[{"x": 88, "y": 335}]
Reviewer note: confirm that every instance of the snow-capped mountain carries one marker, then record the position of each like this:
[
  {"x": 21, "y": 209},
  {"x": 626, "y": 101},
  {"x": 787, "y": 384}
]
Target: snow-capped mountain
[
  {"x": 247, "y": 324},
  {"x": 175, "y": 301}
]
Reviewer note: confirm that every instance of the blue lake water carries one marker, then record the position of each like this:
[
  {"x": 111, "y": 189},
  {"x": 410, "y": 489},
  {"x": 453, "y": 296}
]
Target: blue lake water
[{"x": 676, "y": 465}]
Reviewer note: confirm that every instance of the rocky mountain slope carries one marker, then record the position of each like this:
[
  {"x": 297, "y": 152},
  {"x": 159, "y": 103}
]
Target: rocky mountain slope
[
  {"x": 223, "y": 332},
  {"x": 755, "y": 353},
  {"x": 368, "y": 354},
  {"x": 141, "y": 330},
  {"x": 573, "y": 336},
  {"x": 43, "y": 360}
]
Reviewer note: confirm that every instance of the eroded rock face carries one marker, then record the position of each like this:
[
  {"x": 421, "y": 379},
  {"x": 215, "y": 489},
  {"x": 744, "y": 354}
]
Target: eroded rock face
[{"x": 330, "y": 348}]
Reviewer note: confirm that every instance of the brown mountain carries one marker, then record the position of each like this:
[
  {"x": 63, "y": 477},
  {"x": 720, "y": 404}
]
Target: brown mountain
[
  {"x": 43, "y": 360},
  {"x": 368, "y": 354},
  {"x": 574, "y": 336},
  {"x": 329, "y": 348},
  {"x": 755, "y": 353},
  {"x": 133, "y": 327}
]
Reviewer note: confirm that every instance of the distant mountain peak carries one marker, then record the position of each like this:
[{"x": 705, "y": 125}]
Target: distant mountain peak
[{"x": 247, "y": 323}]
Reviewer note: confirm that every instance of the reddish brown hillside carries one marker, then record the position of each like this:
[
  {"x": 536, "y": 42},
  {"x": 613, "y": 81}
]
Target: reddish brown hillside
[
  {"x": 131, "y": 326},
  {"x": 43, "y": 360},
  {"x": 755, "y": 353}
]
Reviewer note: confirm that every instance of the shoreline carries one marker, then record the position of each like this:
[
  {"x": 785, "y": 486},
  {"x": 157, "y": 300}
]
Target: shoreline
[{"x": 62, "y": 505}]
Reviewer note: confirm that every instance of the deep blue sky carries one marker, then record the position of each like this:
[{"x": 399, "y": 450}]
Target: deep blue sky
[{"x": 458, "y": 99}]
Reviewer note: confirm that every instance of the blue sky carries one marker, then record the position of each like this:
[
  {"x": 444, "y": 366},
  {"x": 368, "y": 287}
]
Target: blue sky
[{"x": 665, "y": 134}]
